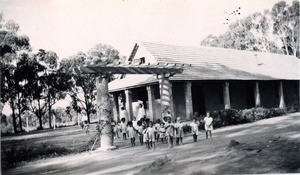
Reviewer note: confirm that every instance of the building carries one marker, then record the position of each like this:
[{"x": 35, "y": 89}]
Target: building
[{"x": 212, "y": 79}]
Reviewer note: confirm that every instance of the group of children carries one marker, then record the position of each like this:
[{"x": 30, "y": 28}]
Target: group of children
[{"x": 165, "y": 130}]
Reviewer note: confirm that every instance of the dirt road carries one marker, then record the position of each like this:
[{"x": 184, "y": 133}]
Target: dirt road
[{"x": 266, "y": 146}]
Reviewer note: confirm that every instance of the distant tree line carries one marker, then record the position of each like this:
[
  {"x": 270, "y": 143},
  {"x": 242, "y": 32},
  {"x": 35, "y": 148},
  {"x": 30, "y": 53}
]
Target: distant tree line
[
  {"x": 275, "y": 31},
  {"x": 31, "y": 83}
]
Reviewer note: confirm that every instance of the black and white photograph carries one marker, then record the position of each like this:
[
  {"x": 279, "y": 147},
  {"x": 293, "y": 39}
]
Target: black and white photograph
[{"x": 136, "y": 87}]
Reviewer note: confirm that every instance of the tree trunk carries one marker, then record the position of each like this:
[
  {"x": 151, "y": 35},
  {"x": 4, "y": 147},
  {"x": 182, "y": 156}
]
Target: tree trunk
[
  {"x": 13, "y": 115},
  {"x": 19, "y": 114},
  {"x": 285, "y": 46},
  {"x": 49, "y": 111},
  {"x": 40, "y": 116},
  {"x": 104, "y": 111}
]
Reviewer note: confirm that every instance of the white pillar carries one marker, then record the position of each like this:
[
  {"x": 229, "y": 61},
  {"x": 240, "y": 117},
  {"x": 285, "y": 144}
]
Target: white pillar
[
  {"x": 281, "y": 96},
  {"x": 256, "y": 94},
  {"x": 128, "y": 96},
  {"x": 226, "y": 95},
  {"x": 150, "y": 92},
  {"x": 166, "y": 95},
  {"x": 188, "y": 99}
]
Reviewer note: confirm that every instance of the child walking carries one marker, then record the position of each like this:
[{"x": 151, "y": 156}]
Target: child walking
[
  {"x": 208, "y": 125},
  {"x": 178, "y": 131},
  {"x": 194, "y": 127},
  {"x": 123, "y": 128},
  {"x": 131, "y": 133}
]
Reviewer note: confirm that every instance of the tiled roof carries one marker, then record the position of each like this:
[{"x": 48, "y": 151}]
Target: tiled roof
[
  {"x": 211, "y": 63},
  {"x": 266, "y": 65}
]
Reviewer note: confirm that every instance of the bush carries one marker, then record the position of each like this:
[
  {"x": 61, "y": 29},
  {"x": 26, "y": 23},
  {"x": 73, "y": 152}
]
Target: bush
[{"x": 232, "y": 117}]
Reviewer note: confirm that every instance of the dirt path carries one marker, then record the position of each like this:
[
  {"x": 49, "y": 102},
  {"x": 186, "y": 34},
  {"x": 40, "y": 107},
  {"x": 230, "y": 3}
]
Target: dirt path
[{"x": 266, "y": 146}]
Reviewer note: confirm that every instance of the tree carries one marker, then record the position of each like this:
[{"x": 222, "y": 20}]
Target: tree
[
  {"x": 261, "y": 31},
  {"x": 286, "y": 26},
  {"x": 12, "y": 47},
  {"x": 86, "y": 84},
  {"x": 56, "y": 82}
]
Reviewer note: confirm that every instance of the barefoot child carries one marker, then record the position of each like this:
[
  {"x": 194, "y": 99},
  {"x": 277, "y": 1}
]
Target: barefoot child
[
  {"x": 140, "y": 132},
  {"x": 145, "y": 136},
  {"x": 151, "y": 135},
  {"x": 131, "y": 133},
  {"x": 178, "y": 131},
  {"x": 194, "y": 127},
  {"x": 208, "y": 125},
  {"x": 169, "y": 126},
  {"x": 162, "y": 132},
  {"x": 123, "y": 128}
]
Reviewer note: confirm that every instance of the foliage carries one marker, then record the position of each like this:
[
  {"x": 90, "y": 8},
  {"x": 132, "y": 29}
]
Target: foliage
[
  {"x": 232, "y": 117},
  {"x": 86, "y": 84},
  {"x": 276, "y": 31}
]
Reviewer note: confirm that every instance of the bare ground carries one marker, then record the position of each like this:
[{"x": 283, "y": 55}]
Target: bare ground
[{"x": 266, "y": 146}]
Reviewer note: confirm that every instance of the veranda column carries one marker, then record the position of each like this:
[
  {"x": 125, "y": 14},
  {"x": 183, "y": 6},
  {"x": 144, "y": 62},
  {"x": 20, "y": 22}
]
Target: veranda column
[
  {"x": 226, "y": 95},
  {"x": 104, "y": 111},
  {"x": 256, "y": 94},
  {"x": 188, "y": 99},
  {"x": 128, "y": 96},
  {"x": 150, "y": 92},
  {"x": 281, "y": 96},
  {"x": 166, "y": 96},
  {"x": 116, "y": 107}
]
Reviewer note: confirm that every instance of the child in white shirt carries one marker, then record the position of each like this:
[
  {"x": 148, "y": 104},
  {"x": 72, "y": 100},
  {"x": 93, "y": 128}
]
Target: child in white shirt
[
  {"x": 162, "y": 132},
  {"x": 208, "y": 125},
  {"x": 123, "y": 128},
  {"x": 169, "y": 126},
  {"x": 151, "y": 135},
  {"x": 178, "y": 131},
  {"x": 131, "y": 133},
  {"x": 195, "y": 131}
]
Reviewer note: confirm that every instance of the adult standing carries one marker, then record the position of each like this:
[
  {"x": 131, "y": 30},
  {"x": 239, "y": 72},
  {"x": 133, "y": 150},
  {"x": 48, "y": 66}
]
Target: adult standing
[
  {"x": 124, "y": 114},
  {"x": 141, "y": 112}
]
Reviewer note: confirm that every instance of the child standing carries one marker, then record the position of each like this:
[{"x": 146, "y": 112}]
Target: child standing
[
  {"x": 169, "y": 126},
  {"x": 194, "y": 127},
  {"x": 156, "y": 127},
  {"x": 123, "y": 128},
  {"x": 131, "y": 133},
  {"x": 162, "y": 132},
  {"x": 151, "y": 135},
  {"x": 140, "y": 131},
  {"x": 178, "y": 131},
  {"x": 208, "y": 125},
  {"x": 145, "y": 136}
]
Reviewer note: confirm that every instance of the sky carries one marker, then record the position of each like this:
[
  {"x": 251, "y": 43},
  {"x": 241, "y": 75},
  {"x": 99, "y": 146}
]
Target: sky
[{"x": 69, "y": 26}]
